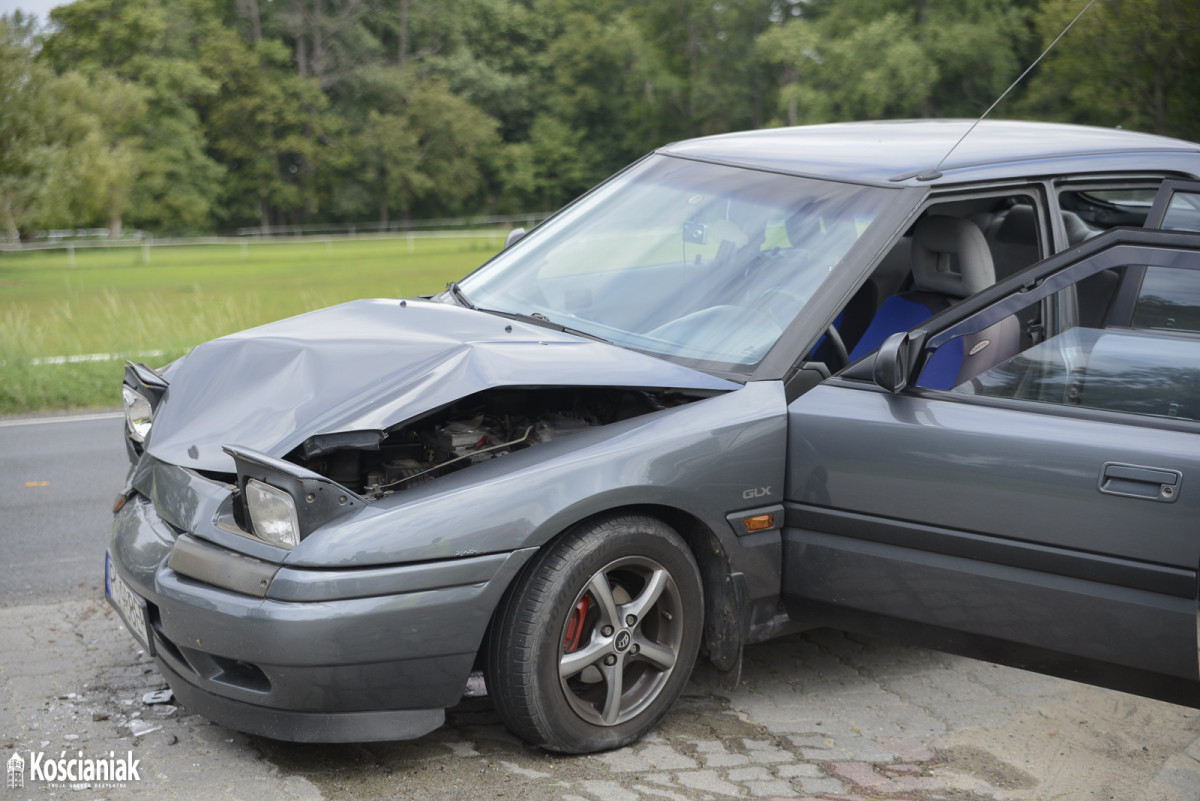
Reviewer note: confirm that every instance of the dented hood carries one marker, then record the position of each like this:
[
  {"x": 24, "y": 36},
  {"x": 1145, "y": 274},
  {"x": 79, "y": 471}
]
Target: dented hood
[{"x": 368, "y": 365}]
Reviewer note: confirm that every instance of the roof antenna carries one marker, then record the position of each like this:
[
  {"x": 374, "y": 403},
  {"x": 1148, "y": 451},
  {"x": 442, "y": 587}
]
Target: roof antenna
[{"x": 936, "y": 173}]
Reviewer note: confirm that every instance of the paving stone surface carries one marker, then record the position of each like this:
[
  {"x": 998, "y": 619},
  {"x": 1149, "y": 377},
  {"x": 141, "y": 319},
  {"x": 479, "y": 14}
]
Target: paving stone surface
[{"x": 821, "y": 716}]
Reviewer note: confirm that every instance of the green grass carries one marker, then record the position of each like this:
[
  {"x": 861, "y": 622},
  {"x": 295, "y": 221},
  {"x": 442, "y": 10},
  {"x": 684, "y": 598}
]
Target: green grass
[{"x": 133, "y": 302}]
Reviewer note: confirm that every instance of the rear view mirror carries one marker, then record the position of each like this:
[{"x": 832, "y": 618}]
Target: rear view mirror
[{"x": 695, "y": 233}]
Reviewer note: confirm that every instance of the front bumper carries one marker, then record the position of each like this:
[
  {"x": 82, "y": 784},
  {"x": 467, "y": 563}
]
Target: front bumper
[{"x": 380, "y": 666}]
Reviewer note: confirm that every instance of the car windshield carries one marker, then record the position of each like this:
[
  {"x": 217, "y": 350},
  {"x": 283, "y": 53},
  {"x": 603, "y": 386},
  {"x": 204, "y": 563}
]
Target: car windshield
[{"x": 700, "y": 263}]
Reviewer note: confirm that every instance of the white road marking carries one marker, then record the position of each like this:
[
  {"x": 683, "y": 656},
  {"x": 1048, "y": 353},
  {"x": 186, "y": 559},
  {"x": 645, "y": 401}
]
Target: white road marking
[{"x": 71, "y": 418}]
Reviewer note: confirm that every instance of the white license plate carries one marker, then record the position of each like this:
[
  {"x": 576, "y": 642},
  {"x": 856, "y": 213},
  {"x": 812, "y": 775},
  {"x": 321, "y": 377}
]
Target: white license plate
[{"x": 131, "y": 608}]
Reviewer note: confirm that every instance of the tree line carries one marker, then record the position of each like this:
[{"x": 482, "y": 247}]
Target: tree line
[{"x": 184, "y": 116}]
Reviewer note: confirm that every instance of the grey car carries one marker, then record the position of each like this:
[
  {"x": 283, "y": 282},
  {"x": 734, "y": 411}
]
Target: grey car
[{"x": 874, "y": 376}]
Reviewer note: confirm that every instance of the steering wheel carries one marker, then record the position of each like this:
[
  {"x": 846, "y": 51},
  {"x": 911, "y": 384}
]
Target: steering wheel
[{"x": 840, "y": 354}]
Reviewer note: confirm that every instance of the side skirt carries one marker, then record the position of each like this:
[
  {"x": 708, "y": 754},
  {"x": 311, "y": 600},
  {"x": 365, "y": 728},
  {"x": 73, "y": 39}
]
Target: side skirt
[{"x": 1171, "y": 689}]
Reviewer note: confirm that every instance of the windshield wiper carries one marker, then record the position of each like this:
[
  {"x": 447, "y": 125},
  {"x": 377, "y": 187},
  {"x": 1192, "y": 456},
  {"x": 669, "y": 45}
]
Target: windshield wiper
[
  {"x": 456, "y": 292},
  {"x": 537, "y": 318}
]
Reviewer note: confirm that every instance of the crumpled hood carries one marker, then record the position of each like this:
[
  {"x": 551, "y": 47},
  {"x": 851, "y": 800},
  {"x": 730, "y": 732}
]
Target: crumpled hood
[{"x": 368, "y": 365}]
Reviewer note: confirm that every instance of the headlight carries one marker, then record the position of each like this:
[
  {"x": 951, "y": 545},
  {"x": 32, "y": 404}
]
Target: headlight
[
  {"x": 281, "y": 502},
  {"x": 272, "y": 514},
  {"x": 138, "y": 413}
]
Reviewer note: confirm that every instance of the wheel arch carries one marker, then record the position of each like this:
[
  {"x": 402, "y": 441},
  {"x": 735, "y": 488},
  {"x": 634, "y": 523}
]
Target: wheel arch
[{"x": 724, "y": 631}]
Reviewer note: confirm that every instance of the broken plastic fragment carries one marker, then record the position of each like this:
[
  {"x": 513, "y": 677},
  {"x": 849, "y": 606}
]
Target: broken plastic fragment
[
  {"x": 139, "y": 728},
  {"x": 158, "y": 697}
]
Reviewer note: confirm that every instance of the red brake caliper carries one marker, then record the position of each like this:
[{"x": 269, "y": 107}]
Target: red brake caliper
[{"x": 575, "y": 625}]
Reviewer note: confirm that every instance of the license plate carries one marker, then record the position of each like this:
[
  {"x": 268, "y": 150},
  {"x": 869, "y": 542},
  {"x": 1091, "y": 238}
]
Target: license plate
[{"x": 131, "y": 608}]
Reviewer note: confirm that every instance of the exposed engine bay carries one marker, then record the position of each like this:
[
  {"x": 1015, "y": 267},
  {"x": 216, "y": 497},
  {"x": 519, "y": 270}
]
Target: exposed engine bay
[{"x": 487, "y": 425}]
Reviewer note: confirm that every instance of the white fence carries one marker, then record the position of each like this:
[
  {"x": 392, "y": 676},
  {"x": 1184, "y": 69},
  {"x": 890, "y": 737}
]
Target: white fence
[
  {"x": 396, "y": 226},
  {"x": 70, "y": 239}
]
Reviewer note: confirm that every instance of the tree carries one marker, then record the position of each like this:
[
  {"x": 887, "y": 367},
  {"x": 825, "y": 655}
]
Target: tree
[
  {"x": 267, "y": 126},
  {"x": 390, "y": 153},
  {"x": 329, "y": 37},
  {"x": 553, "y": 166},
  {"x": 26, "y": 142},
  {"x": 862, "y": 59},
  {"x": 69, "y": 149},
  {"x": 603, "y": 79},
  {"x": 176, "y": 115},
  {"x": 493, "y": 59},
  {"x": 1134, "y": 63},
  {"x": 457, "y": 143},
  {"x": 103, "y": 145},
  {"x": 719, "y": 80},
  {"x": 149, "y": 45}
]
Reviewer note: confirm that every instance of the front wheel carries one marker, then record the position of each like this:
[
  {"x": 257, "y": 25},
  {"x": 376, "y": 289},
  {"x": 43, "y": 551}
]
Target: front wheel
[{"x": 597, "y": 637}]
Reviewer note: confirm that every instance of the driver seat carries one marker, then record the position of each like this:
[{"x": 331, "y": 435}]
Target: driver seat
[{"x": 950, "y": 261}]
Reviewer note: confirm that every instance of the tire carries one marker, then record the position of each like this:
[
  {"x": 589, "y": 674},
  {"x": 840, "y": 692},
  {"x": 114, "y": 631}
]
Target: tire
[{"x": 598, "y": 635}]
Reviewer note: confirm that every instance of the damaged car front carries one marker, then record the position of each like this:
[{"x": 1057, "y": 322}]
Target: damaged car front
[{"x": 546, "y": 473}]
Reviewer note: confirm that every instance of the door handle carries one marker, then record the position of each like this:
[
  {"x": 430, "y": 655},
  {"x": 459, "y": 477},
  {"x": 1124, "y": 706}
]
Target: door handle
[{"x": 1134, "y": 481}]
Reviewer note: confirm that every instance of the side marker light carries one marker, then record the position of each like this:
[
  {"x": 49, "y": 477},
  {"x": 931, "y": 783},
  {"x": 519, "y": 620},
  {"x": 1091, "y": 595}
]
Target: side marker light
[{"x": 759, "y": 522}]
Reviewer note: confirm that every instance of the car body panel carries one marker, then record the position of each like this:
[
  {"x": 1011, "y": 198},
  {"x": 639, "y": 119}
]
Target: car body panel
[
  {"x": 367, "y": 365},
  {"x": 964, "y": 466},
  {"x": 701, "y": 457},
  {"x": 1088, "y": 620},
  {"x": 988, "y": 520},
  {"x": 352, "y": 643},
  {"x": 899, "y": 151}
]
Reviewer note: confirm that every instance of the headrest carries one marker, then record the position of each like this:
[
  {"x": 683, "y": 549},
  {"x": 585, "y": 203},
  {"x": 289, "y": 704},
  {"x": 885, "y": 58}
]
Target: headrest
[
  {"x": 950, "y": 256},
  {"x": 1077, "y": 229},
  {"x": 1019, "y": 226}
]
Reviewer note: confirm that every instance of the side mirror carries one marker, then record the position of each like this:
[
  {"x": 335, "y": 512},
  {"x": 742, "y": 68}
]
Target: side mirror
[
  {"x": 513, "y": 236},
  {"x": 893, "y": 360}
]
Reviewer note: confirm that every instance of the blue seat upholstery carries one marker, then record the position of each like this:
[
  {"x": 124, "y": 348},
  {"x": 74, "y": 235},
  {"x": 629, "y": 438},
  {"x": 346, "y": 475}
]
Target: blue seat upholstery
[{"x": 950, "y": 261}]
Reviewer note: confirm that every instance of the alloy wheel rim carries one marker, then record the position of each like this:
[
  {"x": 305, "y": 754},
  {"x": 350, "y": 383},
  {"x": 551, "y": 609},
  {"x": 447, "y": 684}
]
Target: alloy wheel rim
[{"x": 620, "y": 643}]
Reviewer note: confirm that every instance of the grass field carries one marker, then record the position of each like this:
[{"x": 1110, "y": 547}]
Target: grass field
[{"x": 154, "y": 304}]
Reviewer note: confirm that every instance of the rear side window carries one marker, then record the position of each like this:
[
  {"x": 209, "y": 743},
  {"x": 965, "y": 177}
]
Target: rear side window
[
  {"x": 1088, "y": 211},
  {"x": 1182, "y": 213},
  {"x": 1132, "y": 199},
  {"x": 1169, "y": 300}
]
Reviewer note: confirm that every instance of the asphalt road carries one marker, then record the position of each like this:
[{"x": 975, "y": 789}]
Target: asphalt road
[
  {"x": 816, "y": 717},
  {"x": 59, "y": 477}
]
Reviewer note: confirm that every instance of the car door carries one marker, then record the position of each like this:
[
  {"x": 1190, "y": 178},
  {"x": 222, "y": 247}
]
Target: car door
[{"x": 1042, "y": 513}]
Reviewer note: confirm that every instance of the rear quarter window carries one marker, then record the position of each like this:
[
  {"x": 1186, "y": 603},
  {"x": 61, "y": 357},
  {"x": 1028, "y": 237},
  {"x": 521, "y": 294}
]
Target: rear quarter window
[{"x": 1169, "y": 300}]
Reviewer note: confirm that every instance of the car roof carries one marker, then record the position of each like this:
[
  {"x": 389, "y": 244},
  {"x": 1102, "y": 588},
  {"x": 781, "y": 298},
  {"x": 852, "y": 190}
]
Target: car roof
[{"x": 905, "y": 152}]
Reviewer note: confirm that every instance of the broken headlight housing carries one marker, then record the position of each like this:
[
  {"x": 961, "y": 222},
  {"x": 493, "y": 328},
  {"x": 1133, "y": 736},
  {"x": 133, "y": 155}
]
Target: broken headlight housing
[
  {"x": 139, "y": 413},
  {"x": 273, "y": 516},
  {"x": 281, "y": 503},
  {"x": 141, "y": 393}
]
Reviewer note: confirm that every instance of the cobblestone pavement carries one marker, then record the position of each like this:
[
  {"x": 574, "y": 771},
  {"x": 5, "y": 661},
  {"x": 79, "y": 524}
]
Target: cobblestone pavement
[{"x": 821, "y": 715}]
